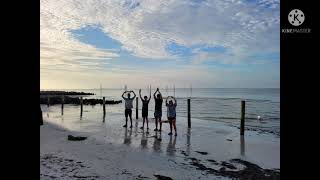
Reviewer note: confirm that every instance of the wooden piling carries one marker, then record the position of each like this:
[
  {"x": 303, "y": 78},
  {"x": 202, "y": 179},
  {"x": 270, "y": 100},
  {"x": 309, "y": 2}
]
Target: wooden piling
[
  {"x": 242, "y": 146},
  {"x": 137, "y": 111},
  {"x": 242, "y": 119},
  {"x": 81, "y": 104},
  {"x": 189, "y": 114},
  {"x": 62, "y": 103},
  {"x": 41, "y": 118},
  {"x": 104, "y": 106},
  {"x": 48, "y": 102}
]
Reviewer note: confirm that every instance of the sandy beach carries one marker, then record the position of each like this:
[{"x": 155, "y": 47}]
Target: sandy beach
[{"x": 214, "y": 151}]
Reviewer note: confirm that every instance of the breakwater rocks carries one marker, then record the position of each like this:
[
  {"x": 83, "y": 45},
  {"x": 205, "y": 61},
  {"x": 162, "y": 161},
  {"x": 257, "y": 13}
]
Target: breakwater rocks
[
  {"x": 74, "y": 100},
  {"x": 60, "y": 93}
]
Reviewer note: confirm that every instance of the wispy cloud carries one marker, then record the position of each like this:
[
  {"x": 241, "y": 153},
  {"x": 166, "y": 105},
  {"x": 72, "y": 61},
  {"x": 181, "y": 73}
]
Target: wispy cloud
[{"x": 146, "y": 28}]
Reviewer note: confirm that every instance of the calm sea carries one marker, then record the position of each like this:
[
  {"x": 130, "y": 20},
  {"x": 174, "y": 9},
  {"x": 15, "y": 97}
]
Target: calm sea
[{"x": 213, "y": 104}]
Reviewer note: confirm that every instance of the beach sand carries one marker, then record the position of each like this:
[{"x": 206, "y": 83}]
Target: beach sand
[{"x": 204, "y": 152}]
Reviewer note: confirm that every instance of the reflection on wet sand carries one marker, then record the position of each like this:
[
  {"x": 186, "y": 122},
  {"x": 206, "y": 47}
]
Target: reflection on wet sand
[
  {"x": 136, "y": 129},
  {"x": 144, "y": 140},
  {"x": 171, "y": 148},
  {"x": 157, "y": 142},
  {"x": 242, "y": 146},
  {"x": 127, "y": 137},
  {"x": 188, "y": 141}
]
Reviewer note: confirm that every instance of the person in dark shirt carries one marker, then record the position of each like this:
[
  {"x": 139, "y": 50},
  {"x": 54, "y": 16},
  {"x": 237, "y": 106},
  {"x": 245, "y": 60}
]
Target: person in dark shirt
[
  {"x": 158, "y": 109},
  {"x": 145, "y": 102}
]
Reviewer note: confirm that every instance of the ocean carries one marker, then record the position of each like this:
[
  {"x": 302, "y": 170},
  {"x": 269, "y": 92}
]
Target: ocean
[{"x": 209, "y": 104}]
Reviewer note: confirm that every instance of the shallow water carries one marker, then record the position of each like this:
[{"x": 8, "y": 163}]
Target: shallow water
[{"x": 212, "y": 104}]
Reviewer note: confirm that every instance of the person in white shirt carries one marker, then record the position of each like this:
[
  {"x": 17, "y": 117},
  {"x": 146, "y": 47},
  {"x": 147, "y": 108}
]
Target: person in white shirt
[
  {"x": 172, "y": 114},
  {"x": 128, "y": 107}
]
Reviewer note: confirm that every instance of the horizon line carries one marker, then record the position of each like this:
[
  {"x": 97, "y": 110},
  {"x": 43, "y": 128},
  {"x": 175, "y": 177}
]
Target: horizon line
[{"x": 163, "y": 88}]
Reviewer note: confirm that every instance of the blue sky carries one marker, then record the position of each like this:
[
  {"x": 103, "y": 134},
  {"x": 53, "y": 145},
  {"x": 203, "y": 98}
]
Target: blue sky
[{"x": 203, "y": 43}]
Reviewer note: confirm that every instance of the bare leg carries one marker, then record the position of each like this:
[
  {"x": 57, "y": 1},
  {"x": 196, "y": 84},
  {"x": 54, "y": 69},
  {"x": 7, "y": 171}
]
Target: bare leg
[
  {"x": 126, "y": 121},
  {"x": 143, "y": 122},
  {"x": 160, "y": 124},
  {"x": 131, "y": 120},
  {"x": 147, "y": 122},
  {"x": 156, "y": 120},
  {"x": 170, "y": 126},
  {"x": 175, "y": 126}
]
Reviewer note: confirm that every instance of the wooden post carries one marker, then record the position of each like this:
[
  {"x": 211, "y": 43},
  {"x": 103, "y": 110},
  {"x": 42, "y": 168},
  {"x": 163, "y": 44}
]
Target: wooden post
[
  {"x": 243, "y": 107},
  {"x": 137, "y": 112},
  {"x": 242, "y": 146},
  {"x": 81, "y": 104},
  {"x": 189, "y": 114},
  {"x": 188, "y": 141},
  {"x": 48, "y": 102},
  {"x": 41, "y": 118},
  {"x": 104, "y": 106},
  {"x": 62, "y": 102}
]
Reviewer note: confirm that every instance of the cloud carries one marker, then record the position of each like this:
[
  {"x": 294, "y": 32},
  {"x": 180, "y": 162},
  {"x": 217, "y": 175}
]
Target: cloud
[
  {"x": 145, "y": 29},
  {"x": 58, "y": 45}
]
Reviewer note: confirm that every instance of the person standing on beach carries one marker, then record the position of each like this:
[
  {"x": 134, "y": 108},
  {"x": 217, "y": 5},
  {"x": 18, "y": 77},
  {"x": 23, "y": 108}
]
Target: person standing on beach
[
  {"x": 158, "y": 109},
  {"x": 128, "y": 107},
  {"x": 145, "y": 103},
  {"x": 171, "y": 112}
]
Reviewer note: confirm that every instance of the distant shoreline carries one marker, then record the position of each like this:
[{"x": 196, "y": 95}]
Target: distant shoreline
[
  {"x": 59, "y": 97},
  {"x": 57, "y": 93}
]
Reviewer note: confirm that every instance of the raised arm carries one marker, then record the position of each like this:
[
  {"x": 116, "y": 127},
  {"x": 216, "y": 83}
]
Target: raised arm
[
  {"x": 140, "y": 94},
  {"x": 149, "y": 95},
  {"x": 175, "y": 101},
  {"x": 123, "y": 94},
  {"x": 134, "y": 95},
  {"x": 154, "y": 94},
  {"x": 167, "y": 101},
  {"x": 160, "y": 94}
]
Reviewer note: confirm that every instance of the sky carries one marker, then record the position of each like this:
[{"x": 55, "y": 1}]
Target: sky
[{"x": 203, "y": 43}]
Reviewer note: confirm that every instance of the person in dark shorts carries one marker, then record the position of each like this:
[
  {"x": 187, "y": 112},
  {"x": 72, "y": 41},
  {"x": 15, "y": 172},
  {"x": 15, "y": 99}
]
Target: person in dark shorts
[
  {"x": 145, "y": 102},
  {"x": 171, "y": 113},
  {"x": 158, "y": 109},
  {"x": 128, "y": 107}
]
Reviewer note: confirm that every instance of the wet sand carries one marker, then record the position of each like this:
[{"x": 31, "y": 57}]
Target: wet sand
[{"x": 214, "y": 151}]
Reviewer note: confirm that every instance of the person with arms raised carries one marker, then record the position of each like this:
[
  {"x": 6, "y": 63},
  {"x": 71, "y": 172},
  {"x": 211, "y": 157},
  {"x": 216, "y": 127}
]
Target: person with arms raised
[
  {"x": 145, "y": 102},
  {"x": 171, "y": 113},
  {"x": 128, "y": 106},
  {"x": 158, "y": 109}
]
